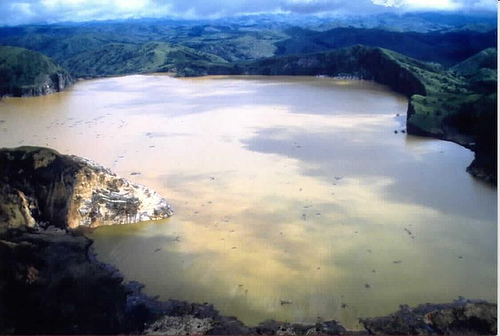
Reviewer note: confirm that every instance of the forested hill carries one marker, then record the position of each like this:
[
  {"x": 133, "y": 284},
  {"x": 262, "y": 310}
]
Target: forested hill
[
  {"x": 28, "y": 73},
  {"x": 124, "y": 58},
  {"x": 445, "y": 48},
  {"x": 258, "y": 37}
]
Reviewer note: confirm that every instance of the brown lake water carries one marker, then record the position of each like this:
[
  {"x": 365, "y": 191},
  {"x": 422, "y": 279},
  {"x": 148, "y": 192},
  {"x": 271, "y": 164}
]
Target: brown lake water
[{"x": 284, "y": 189}]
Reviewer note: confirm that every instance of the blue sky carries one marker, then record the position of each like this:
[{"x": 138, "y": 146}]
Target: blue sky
[{"x": 30, "y": 11}]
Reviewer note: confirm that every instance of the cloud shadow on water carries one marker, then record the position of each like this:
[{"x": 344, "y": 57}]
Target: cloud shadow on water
[{"x": 417, "y": 177}]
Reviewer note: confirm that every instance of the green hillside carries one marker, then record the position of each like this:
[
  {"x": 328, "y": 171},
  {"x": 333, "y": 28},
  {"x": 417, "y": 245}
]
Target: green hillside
[
  {"x": 121, "y": 58},
  {"x": 460, "y": 105},
  {"x": 445, "y": 39},
  {"x": 28, "y": 73},
  {"x": 484, "y": 59},
  {"x": 446, "y": 48},
  {"x": 480, "y": 70}
]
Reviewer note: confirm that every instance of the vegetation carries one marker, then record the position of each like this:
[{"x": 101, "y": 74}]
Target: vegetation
[
  {"x": 447, "y": 39},
  {"x": 121, "y": 58},
  {"x": 26, "y": 72},
  {"x": 444, "y": 48},
  {"x": 461, "y": 106},
  {"x": 465, "y": 93},
  {"x": 480, "y": 70}
]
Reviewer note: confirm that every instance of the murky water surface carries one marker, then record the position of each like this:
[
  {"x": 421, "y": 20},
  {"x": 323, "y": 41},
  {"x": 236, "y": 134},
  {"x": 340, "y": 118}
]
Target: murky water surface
[{"x": 294, "y": 198}]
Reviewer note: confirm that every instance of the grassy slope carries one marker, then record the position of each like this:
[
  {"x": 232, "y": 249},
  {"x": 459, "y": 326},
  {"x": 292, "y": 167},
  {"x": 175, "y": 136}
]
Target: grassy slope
[
  {"x": 445, "y": 92},
  {"x": 461, "y": 106},
  {"x": 22, "y": 70},
  {"x": 453, "y": 96},
  {"x": 480, "y": 70},
  {"x": 241, "y": 47},
  {"x": 484, "y": 59},
  {"x": 121, "y": 58}
]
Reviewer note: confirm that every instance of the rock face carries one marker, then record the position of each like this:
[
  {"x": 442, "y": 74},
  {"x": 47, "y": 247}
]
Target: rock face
[
  {"x": 357, "y": 61},
  {"x": 285, "y": 328},
  {"x": 472, "y": 317},
  {"x": 48, "y": 286},
  {"x": 41, "y": 185},
  {"x": 467, "y": 319},
  {"x": 484, "y": 171},
  {"x": 179, "y": 325},
  {"x": 52, "y": 83},
  {"x": 14, "y": 208}
]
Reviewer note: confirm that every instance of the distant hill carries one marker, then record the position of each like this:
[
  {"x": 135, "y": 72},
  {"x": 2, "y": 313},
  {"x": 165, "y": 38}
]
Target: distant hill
[
  {"x": 484, "y": 59},
  {"x": 120, "y": 58},
  {"x": 444, "y": 48},
  {"x": 28, "y": 73},
  {"x": 437, "y": 37},
  {"x": 480, "y": 70}
]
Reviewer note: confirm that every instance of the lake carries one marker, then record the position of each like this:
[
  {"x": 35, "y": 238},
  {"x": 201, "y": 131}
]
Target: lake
[{"x": 294, "y": 198}]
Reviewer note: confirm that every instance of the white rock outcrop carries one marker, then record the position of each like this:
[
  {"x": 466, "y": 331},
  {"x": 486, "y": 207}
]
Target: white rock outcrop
[{"x": 69, "y": 191}]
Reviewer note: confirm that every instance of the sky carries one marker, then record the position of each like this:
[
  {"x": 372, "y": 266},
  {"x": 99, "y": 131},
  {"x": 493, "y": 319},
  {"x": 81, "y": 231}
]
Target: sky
[{"x": 14, "y": 12}]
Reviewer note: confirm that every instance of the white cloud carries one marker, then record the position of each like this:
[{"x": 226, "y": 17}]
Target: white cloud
[
  {"x": 29, "y": 11},
  {"x": 488, "y": 5},
  {"x": 131, "y": 5},
  {"x": 438, "y": 4},
  {"x": 433, "y": 4},
  {"x": 389, "y": 3}
]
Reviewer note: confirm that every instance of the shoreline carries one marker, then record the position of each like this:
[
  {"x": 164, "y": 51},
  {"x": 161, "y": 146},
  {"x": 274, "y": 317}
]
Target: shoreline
[
  {"x": 143, "y": 314},
  {"x": 53, "y": 276},
  {"x": 417, "y": 318},
  {"x": 478, "y": 168}
]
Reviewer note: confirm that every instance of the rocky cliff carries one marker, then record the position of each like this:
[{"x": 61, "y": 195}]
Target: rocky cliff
[
  {"x": 26, "y": 73},
  {"x": 358, "y": 61},
  {"x": 40, "y": 185},
  {"x": 462, "y": 317},
  {"x": 48, "y": 286}
]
